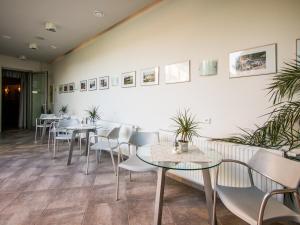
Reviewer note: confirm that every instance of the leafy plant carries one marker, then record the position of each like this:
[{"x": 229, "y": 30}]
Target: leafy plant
[
  {"x": 186, "y": 125},
  {"x": 93, "y": 113},
  {"x": 282, "y": 128},
  {"x": 63, "y": 109}
]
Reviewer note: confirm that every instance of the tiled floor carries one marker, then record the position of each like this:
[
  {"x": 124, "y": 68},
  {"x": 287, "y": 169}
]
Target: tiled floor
[{"x": 35, "y": 189}]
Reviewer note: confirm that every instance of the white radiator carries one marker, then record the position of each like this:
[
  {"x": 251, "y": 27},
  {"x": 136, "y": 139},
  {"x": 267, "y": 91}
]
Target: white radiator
[{"x": 229, "y": 174}]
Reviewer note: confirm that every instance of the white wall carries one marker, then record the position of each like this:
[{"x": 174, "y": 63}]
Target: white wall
[{"x": 177, "y": 30}]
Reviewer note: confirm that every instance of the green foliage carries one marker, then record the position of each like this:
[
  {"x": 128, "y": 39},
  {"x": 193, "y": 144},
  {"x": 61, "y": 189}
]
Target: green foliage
[
  {"x": 93, "y": 113},
  {"x": 186, "y": 125},
  {"x": 282, "y": 128},
  {"x": 63, "y": 109}
]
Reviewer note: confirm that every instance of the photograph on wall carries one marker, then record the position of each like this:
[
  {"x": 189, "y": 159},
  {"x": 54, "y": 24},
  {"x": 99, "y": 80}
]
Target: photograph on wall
[
  {"x": 71, "y": 87},
  {"x": 60, "y": 89},
  {"x": 128, "y": 79},
  {"x": 149, "y": 76},
  {"x": 177, "y": 73},
  {"x": 298, "y": 48},
  {"x": 253, "y": 62},
  {"x": 66, "y": 88},
  {"x": 115, "y": 81},
  {"x": 103, "y": 82},
  {"x": 208, "y": 67},
  {"x": 92, "y": 84},
  {"x": 83, "y": 85}
]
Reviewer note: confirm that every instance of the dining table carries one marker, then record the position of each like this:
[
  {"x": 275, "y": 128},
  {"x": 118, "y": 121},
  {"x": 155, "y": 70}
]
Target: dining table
[{"x": 165, "y": 157}]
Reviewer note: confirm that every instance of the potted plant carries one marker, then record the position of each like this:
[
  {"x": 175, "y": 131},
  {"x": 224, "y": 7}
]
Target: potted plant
[
  {"x": 93, "y": 114},
  {"x": 63, "y": 109},
  {"x": 186, "y": 128}
]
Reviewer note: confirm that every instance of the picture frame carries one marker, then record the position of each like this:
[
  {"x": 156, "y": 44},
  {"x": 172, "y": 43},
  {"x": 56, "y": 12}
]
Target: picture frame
[
  {"x": 71, "y": 87},
  {"x": 150, "y": 76},
  {"x": 208, "y": 68},
  {"x": 298, "y": 49},
  {"x": 255, "y": 61},
  {"x": 92, "y": 84},
  {"x": 66, "y": 88},
  {"x": 83, "y": 85},
  {"x": 60, "y": 88},
  {"x": 177, "y": 72},
  {"x": 103, "y": 83},
  {"x": 115, "y": 81},
  {"x": 128, "y": 79}
]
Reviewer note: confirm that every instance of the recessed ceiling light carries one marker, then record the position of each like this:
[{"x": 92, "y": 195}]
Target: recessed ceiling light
[
  {"x": 53, "y": 47},
  {"x": 98, "y": 13},
  {"x": 49, "y": 26},
  {"x": 22, "y": 57},
  {"x": 33, "y": 46},
  {"x": 6, "y": 37}
]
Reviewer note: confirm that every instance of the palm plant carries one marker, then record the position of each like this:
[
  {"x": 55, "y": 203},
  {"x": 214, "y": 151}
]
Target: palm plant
[
  {"x": 93, "y": 113},
  {"x": 186, "y": 125},
  {"x": 282, "y": 128},
  {"x": 63, "y": 109}
]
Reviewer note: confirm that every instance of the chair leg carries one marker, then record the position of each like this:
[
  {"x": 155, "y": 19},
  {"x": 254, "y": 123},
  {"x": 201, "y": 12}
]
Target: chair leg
[
  {"x": 214, "y": 215},
  {"x": 80, "y": 145},
  {"x": 130, "y": 176},
  {"x": 113, "y": 161},
  {"x": 118, "y": 179},
  {"x": 54, "y": 150},
  {"x": 98, "y": 156},
  {"x": 49, "y": 138},
  {"x": 35, "y": 134},
  {"x": 87, "y": 161}
]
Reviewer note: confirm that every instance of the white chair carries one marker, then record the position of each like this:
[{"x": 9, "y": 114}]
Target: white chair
[
  {"x": 133, "y": 163},
  {"x": 61, "y": 133},
  {"x": 253, "y": 205},
  {"x": 109, "y": 143},
  {"x": 40, "y": 123}
]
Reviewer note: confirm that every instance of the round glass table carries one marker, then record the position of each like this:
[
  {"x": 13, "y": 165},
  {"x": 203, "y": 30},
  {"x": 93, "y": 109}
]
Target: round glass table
[{"x": 164, "y": 158}]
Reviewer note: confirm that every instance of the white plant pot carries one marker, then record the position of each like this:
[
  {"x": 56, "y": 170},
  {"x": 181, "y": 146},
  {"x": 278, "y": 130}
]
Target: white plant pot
[{"x": 183, "y": 146}]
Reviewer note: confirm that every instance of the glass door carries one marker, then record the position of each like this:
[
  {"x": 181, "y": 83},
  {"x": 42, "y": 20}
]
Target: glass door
[{"x": 39, "y": 93}]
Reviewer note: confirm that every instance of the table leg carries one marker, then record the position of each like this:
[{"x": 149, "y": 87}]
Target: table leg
[
  {"x": 43, "y": 132},
  {"x": 159, "y": 196},
  {"x": 71, "y": 147},
  {"x": 87, "y": 135},
  {"x": 208, "y": 194}
]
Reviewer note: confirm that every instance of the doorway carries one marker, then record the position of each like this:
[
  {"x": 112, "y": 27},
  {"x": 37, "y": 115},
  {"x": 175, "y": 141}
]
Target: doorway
[{"x": 11, "y": 88}]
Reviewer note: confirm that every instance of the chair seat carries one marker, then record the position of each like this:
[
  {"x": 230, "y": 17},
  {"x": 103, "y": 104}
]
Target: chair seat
[
  {"x": 133, "y": 163},
  {"x": 63, "y": 137},
  {"x": 104, "y": 145},
  {"x": 42, "y": 125},
  {"x": 245, "y": 203}
]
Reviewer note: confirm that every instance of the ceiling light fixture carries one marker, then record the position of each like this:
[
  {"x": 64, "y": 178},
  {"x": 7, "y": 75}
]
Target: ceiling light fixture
[
  {"x": 49, "y": 26},
  {"x": 53, "y": 47},
  {"x": 33, "y": 46},
  {"x": 98, "y": 13},
  {"x": 6, "y": 37},
  {"x": 22, "y": 57}
]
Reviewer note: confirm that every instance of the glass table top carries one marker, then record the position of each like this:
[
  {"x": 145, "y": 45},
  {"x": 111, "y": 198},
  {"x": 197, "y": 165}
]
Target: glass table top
[{"x": 163, "y": 156}]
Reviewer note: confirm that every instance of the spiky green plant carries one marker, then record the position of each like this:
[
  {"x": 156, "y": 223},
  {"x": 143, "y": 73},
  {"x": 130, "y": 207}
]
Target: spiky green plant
[
  {"x": 93, "y": 113},
  {"x": 282, "y": 128},
  {"x": 186, "y": 125},
  {"x": 63, "y": 109}
]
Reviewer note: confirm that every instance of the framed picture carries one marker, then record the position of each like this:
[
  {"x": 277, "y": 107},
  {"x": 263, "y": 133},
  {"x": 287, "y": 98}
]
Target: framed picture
[
  {"x": 103, "y": 82},
  {"x": 92, "y": 84},
  {"x": 149, "y": 76},
  {"x": 254, "y": 61},
  {"x": 128, "y": 79},
  {"x": 71, "y": 87},
  {"x": 60, "y": 89},
  {"x": 66, "y": 88},
  {"x": 298, "y": 49},
  {"x": 177, "y": 73},
  {"x": 115, "y": 81},
  {"x": 83, "y": 85},
  {"x": 208, "y": 68}
]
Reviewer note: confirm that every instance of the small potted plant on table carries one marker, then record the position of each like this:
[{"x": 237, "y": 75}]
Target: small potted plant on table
[
  {"x": 186, "y": 128},
  {"x": 63, "y": 110},
  {"x": 93, "y": 114}
]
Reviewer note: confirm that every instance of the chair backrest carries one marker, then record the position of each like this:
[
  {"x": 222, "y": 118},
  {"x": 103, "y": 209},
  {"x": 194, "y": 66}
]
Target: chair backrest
[
  {"x": 140, "y": 139},
  {"x": 68, "y": 123},
  {"x": 126, "y": 132},
  {"x": 281, "y": 170},
  {"x": 43, "y": 115},
  {"x": 114, "y": 133}
]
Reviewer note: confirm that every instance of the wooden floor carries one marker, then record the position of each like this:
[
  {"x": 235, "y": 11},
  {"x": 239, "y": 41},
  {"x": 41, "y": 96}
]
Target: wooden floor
[{"x": 35, "y": 189}]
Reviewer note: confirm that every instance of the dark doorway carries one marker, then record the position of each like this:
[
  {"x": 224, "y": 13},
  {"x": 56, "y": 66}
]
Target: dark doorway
[{"x": 11, "y": 88}]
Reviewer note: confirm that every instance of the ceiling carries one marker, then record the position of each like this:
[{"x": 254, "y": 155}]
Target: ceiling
[{"x": 24, "y": 22}]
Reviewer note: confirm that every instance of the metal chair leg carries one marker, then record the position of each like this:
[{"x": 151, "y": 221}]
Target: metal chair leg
[
  {"x": 113, "y": 161},
  {"x": 118, "y": 179},
  {"x": 130, "y": 176},
  {"x": 87, "y": 161},
  {"x": 35, "y": 134},
  {"x": 54, "y": 149}
]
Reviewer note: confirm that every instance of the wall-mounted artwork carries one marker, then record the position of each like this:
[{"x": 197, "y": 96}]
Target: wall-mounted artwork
[
  {"x": 128, "y": 79},
  {"x": 103, "y": 82},
  {"x": 115, "y": 81},
  {"x": 178, "y": 72},
  {"x": 71, "y": 87},
  {"x": 149, "y": 76},
  {"x": 60, "y": 89},
  {"x": 92, "y": 84},
  {"x": 208, "y": 68},
  {"x": 298, "y": 48},
  {"x": 66, "y": 88},
  {"x": 254, "y": 61},
  {"x": 83, "y": 85}
]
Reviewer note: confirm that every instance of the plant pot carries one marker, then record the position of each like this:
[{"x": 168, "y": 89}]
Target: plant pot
[{"x": 183, "y": 146}]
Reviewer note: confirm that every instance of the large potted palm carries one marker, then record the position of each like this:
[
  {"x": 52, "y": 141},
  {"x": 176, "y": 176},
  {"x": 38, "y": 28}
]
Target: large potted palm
[{"x": 186, "y": 128}]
